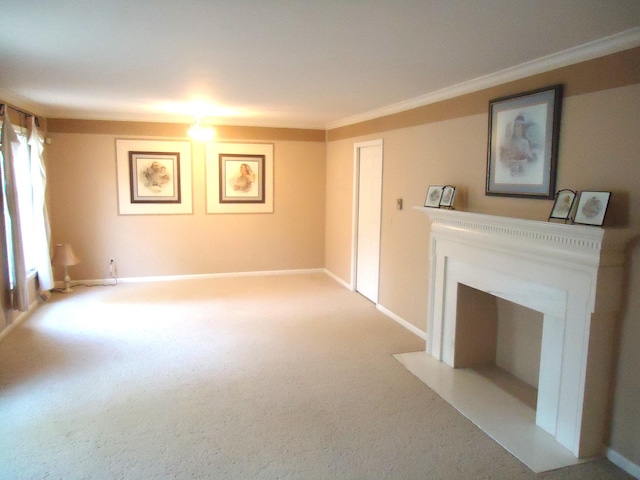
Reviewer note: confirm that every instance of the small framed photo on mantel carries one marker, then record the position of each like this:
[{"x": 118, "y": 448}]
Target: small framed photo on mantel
[
  {"x": 592, "y": 208},
  {"x": 563, "y": 205},
  {"x": 434, "y": 195},
  {"x": 440, "y": 196},
  {"x": 448, "y": 196}
]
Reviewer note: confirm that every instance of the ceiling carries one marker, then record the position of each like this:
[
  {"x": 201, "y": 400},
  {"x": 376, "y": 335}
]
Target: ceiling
[{"x": 295, "y": 63}]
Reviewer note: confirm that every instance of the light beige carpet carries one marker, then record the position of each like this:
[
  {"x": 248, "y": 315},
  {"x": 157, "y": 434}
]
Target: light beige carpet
[{"x": 286, "y": 377}]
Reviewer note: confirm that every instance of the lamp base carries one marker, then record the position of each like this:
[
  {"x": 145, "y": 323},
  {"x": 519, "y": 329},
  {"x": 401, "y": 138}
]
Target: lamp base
[{"x": 67, "y": 280}]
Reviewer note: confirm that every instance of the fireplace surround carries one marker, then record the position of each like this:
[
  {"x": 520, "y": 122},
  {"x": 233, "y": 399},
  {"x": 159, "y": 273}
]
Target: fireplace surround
[{"x": 572, "y": 274}]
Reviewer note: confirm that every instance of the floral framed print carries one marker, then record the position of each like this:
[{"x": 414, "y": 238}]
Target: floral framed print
[
  {"x": 434, "y": 195},
  {"x": 563, "y": 205},
  {"x": 523, "y": 143},
  {"x": 592, "y": 208},
  {"x": 239, "y": 177},
  {"x": 154, "y": 177}
]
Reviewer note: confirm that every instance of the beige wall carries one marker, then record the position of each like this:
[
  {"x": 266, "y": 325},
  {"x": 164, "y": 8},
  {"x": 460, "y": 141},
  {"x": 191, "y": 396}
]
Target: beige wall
[
  {"x": 84, "y": 211},
  {"x": 599, "y": 145}
]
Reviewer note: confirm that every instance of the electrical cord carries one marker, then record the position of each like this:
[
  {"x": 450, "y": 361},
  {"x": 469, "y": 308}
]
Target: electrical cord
[
  {"x": 111, "y": 274},
  {"x": 115, "y": 279}
]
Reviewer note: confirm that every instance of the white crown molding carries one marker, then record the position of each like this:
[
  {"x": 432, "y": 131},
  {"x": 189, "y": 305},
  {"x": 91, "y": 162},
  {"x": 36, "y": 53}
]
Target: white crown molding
[{"x": 588, "y": 51}]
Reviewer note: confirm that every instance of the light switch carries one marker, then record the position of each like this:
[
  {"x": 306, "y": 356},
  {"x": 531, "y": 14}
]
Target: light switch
[{"x": 399, "y": 204}]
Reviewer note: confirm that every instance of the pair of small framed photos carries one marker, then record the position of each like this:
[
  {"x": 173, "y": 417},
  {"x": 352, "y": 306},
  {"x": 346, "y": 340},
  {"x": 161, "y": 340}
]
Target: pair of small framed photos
[
  {"x": 590, "y": 209},
  {"x": 440, "y": 196}
]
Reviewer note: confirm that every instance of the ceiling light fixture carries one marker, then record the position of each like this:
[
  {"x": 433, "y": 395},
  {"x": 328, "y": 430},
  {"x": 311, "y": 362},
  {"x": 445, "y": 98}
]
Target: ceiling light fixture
[{"x": 201, "y": 133}]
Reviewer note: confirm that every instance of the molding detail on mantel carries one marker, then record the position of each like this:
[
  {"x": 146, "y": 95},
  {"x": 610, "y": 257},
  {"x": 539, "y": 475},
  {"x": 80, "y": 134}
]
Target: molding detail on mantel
[
  {"x": 572, "y": 274},
  {"x": 577, "y": 243}
]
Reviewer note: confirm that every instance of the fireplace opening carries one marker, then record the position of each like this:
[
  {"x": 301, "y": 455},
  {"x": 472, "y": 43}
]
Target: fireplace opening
[{"x": 499, "y": 340}]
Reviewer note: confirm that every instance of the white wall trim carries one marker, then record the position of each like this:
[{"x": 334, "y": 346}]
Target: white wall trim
[
  {"x": 169, "y": 278},
  {"x": 346, "y": 285},
  {"x": 379, "y": 142},
  {"x": 624, "y": 463},
  {"x": 18, "y": 320},
  {"x": 25, "y": 104},
  {"x": 588, "y": 51},
  {"x": 409, "y": 326}
]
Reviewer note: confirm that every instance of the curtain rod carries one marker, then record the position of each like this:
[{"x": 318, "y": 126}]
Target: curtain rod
[{"x": 26, "y": 114}]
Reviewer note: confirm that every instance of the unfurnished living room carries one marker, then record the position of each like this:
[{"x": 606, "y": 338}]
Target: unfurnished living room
[{"x": 320, "y": 239}]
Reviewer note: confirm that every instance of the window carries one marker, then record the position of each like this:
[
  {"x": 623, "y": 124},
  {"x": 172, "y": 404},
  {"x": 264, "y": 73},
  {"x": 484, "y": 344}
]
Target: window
[{"x": 25, "y": 202}]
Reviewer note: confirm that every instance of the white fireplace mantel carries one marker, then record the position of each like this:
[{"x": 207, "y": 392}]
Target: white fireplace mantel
[{"x": 572, "y": 274}]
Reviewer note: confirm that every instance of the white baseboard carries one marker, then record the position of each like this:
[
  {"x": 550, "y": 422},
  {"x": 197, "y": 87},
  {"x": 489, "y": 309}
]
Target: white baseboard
[
  {"x": 339, "y": 280},
  {"x": 624, "y": 463},
  {"x": 169, "y": 278},
  {"x": 409, "y": 326},
  {"x": 18, "y": 320}
]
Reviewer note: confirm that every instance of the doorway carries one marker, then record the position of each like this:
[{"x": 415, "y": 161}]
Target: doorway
[{"x": 368, "y": 209}]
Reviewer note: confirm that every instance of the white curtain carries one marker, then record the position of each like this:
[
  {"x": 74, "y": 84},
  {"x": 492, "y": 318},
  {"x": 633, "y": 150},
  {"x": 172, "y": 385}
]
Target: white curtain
[
  {"x": 42, "y": 232},
  {"x": 12, "y": 150}
]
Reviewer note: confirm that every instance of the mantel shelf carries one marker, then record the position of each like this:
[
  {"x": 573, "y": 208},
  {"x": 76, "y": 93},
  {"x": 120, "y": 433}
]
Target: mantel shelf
[{"x": 604, "y": 246}]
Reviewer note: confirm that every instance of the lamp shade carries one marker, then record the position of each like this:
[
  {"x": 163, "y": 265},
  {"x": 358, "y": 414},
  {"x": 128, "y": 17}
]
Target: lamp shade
[{"x": 63, "y": 256}]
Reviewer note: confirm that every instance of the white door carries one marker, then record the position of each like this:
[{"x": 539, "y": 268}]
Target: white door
[{"x": 369, "y": 206}]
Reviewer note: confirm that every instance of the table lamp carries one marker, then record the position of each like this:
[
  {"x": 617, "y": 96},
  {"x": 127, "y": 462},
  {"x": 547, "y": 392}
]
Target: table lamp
[{"x": 63, "y": 256}]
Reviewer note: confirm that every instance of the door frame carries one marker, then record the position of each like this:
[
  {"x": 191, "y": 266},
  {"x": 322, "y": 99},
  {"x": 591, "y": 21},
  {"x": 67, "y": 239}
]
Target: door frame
[{"x": 354, "y": 216}]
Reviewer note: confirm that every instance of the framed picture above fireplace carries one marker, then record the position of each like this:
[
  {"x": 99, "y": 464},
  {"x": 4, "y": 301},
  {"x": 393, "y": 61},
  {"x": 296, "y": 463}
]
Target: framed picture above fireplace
[{"x": 523, "y": 143}]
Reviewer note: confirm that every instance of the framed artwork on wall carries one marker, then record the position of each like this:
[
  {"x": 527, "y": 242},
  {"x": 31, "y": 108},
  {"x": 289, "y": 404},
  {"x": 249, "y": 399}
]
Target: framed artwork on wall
[
  {"x": 154, "y": 177},
  {"x": 239, "y": 177},
  {"x": 523, "y": 143}
]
